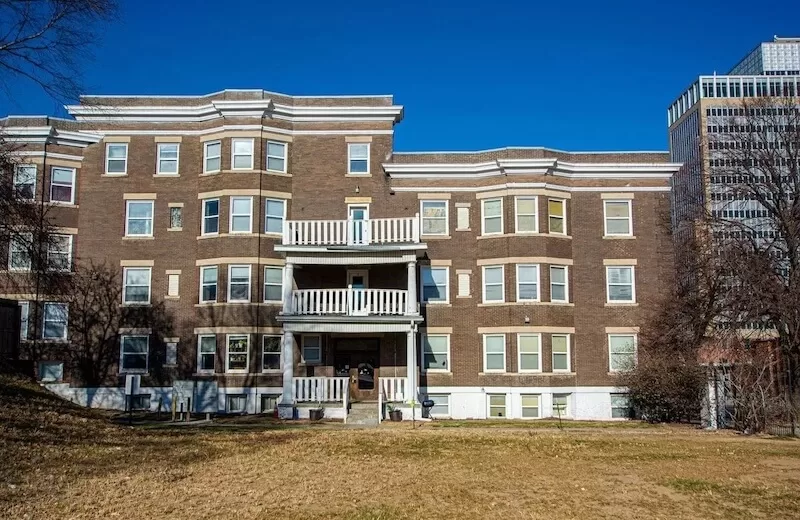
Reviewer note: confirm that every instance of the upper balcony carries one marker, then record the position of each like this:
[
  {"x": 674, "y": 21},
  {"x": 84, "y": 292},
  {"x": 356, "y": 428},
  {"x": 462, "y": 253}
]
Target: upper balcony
[{"x": 379, "y": 234}]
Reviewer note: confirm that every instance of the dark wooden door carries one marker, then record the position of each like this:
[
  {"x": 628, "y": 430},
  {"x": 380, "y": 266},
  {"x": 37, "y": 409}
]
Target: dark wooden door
[{"x": 358, "y": 359}]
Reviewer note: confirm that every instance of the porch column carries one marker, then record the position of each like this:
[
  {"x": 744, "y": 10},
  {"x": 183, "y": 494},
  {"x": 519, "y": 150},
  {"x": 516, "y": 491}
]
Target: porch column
[
  {"x": 288, "y": 285},
  {"x": 288, "y": 369},
  {"x": 411, "y": 363},
  {"x": 411, "y": 304}
]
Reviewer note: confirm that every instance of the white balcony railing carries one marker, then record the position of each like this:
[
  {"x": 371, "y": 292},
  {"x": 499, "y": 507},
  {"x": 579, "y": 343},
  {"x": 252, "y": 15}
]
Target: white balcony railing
[
  {"x": 351, "y": 232},
  {"x": 393, "y": 389},
  {"x": 350, "y": 302},
  {"x": 322, "y": 389}
]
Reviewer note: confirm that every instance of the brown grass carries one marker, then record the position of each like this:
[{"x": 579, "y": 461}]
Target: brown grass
[{"x": 58, "y": 462}]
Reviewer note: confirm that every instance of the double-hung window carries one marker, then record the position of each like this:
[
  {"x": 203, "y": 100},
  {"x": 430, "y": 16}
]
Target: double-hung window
[
  {"x": 276, "y": 156},
  {"x": 25, "y": 181},
  {"x": 242, "y": 154},
  {"x": 526, "y": 215},
  {"x": 139, "y": 218},
  {"x": 434, "y": 217},
  {"x": 620, "y": 406},
  {"x": 434, "y": 284},
  {"x": 206, "y": 353},
  {"x": 559, "y": 344},
  {"x": 558, "y": 284},
  {"x": 493, "y": 287},
  {"x": 271, "y": 353},
  {"x": 137, "y": 285},
  {"x": 620, "y": 286},
  {"x": 116, "y": 158},
  {"x": 527, "y": 282},
  {"x": 621, "y": 352},
  {"x": 492, "y": 217},
  {"x": 358, "y": 158},
  {"x": 212, "y": 153},
  {"x": 497, "y": 405},
  {"x": 561, "y": 405},
  {"x": 529, "y": 347},
  {"x": 19, "y": 252},
  {"x": 167, "y": 160},
  {"x": 618, "y": 218},
  {"x": 237, "y": 357},
  {"x": 275, "y": 214},
  {"x": 435, "y": 352},
  {"x": 208, "y": 284},
  {"x": 273, "y": 284},
  {"x": 239, "y": 283},
  {"x": 62, "y": 185},
  {"x": 530, "y": 406},
  {"x": 55, "y": 318},
  {"x": 312, "y": 348},
  {"x": 557, "y": 209},
  {"x": 494, "y": 353},
  {"x": 59, "y": 252},
  {"x": 134, "y": 353},
  {"x": 210, "y": 217},
  {"x": 441, "y": 405},
  {"x": 241, "y": 215}
]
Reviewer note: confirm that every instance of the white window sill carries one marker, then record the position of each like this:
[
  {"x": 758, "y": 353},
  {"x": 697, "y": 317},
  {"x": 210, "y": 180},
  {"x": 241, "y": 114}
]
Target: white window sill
[
  {"x": 168, "y": 297},
  {"x": 619, "y": 237},
  {"x": 358, "y": 174},
  {"x": 492, "y": 304},
  {"x": 166, "y": 175},
  {"x": 436, "y": 304},
  {"x": 463, "y": 297},
  {"x": 134, "y": 304},
  {"x": 135, "y": 237},
  {"x": 495, "y": 373},
  {"x": 272, "y": 372},
  {"x": 236, "y": 372},
  {"x": 621, "y": 304},
  {"x": 272, "y": 302},
  {"x": 174, "y": 229},
  {"x": 114, "y": 175},
  {"x": 62, "y": 204},
  {"x": 213, "y": 172},
  {"x": 463, "y": 229},
  {"x": 435, "y": 237},
  {"x": 438, "y": 372}
]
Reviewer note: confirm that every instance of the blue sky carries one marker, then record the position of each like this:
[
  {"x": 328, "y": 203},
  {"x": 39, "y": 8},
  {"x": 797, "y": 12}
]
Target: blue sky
[{"x": 574, "y": 75}]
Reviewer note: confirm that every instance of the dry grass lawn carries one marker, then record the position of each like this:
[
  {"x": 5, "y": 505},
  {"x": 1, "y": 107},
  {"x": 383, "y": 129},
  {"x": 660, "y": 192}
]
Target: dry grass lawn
[{"x": 57, "y": 462}]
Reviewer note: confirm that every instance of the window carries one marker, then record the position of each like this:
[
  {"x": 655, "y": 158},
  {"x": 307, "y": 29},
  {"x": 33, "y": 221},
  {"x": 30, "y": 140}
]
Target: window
[
  {"x": 441, "y": 405},
  {"x": 139, "y": 218},
  {"x": 526, "y": 217},
  {"x": 462, "y": 218},
  {"x": 528, "y": 283},
  {"x": 19, "y": 252},
  {"x": 171, "y": 358},
  {"x": 239, "y": 283},
  {"x": 238, "y": 355},
  {"x": 275, "y": 214},
  {"x": 59, "y": 252},
  {"x": 241, "y": 154},
  {"x": 137, "y": 285},
  {"x": 173, "y": 284},
  {"x": 493, "y": 289},
  {"x": 434, "y": 284},
  {"x": 276, "y": 156},
  {"x": 617, "y": 217},
  {"x": 434, "y": 217},
  {"x": 463, "y": 285},
  {"x": 24, "y": 313},
  {"x": 620, "y": 286},
  {"x": 557, "y": 211},
  {"x": 208, "y": 284},
  {"x": 62, "y": 185},
  {"x": 269, "y": 402},
  {"x": 206, "y": 353},
  {"x": 134, "y": 352},
  {"x": 55, "y": 318},
  {"x": 530, "y": 406},
  {"x": 116, "y": 158},
  {"x": 273, "y": 284},
  {"x": 140, "y": 402},
  {"x": 312, "y": 349},
  {"x": 212, "y": 153},
  {"x": 497, "y": 405},
  {"x": 620, "y": 406},
  {"x": 210, "y": 217},
  {"x": 271, "y": 353},
  {"x": 237, "y": 403},
  {"x": 560, "y": 347},
  {"x": 25, "y": 181},
  {"x": 494, "y": 353},
  {"x": 435, "y": 353},
  {"x": 167, "y": 159},
  {"x": 529, "y": 347},
  {"x": 175, "y": 217},
  {"x": 51, "y": 371},
  {"x": 358, "y": 158},
  {"x": 558, "y": 284},
  {"x": 492, "y": 217},
  {"x": 622, "y": 352},
  {"x": 561, "y": 405},
  {"x": 241, "y": 214}
]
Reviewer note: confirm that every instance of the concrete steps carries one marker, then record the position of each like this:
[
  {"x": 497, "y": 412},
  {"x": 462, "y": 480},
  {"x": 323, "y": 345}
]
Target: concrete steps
[{"x": 363, "y": 414}]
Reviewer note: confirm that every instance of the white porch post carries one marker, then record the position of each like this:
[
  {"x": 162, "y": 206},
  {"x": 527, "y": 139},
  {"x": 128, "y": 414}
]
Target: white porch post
[
  {"x": 287, "y": 398},
  {"x": 411, "y": 304},
  {"x": 411, "y": 364},
  {"x": 288, "y": 286}
]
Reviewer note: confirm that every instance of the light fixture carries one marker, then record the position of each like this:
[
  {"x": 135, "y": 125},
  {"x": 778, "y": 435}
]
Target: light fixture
[
  {"x": 527, "y": 319},
  {"x": 358, "y": 189}
]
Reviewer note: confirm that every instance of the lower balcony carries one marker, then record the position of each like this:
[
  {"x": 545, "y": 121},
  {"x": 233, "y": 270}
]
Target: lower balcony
[{"x": 351, "y": 302}]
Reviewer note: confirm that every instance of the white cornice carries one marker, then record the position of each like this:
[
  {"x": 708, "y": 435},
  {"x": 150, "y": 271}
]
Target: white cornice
[
  {"x": 48, "y": 134},
  {"x": 514, "y": 185}
]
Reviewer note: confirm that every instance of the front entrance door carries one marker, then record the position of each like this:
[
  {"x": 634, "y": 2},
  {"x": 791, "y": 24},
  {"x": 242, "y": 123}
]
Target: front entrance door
[
  {"x": 357, "y": 281},
  {"x": 358, "y": 359},
  {"x": 357, "y": 225}
]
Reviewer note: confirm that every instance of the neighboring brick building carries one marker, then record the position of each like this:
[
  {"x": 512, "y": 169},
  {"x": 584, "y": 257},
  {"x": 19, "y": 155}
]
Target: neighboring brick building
[{"x": 292, "y": 246}]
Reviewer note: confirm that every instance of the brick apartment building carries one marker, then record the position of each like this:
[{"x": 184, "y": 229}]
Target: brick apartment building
[{"x": 303, "y": 260}]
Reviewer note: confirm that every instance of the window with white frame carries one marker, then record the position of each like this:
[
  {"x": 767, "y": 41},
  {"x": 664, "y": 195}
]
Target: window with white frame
[
  {"x": 492, "y": 217},
  {"x": 493, "y": 287},
  {"x": 134, "y": 354},
  {"x": 559, "y": 344},
  {"x": 526, "y": 215},
  {"x": 59, "y": 252},
  {"x": 463, "y": 284},
  {"x": 620, "y": 285},
  {"x": 621, "y": 352},
  {"x": 434, "y": 217},
  {"x": 167, "y": 160},
  {"x": 51, "y": 371},
  {"x": 558, "y": 284},
  {"x": 237, "y": 356},
  {"x": 237, "y": 403},
  {"x": 462, "y": 218},
  {"x": 139, "y": 218},
  {"x": 273, "y": 284},
  {"x": 497, "y": 405},
  {"x": 241, "y": 215},
  {"x": 171, "y": 358},
  {"x": 210, "y": 217},
  {"x": 24, "y": 313},
  {"x": 25, "y": 181},
  {"x": 269, "y": 402},
  {"x": 271, "y": 353},
  {"x": 617, "y": 217},
  {"x": 557, "y": 209},
  {"x": 239, "y": 283},
  {"x": 55, "y": 318},
  {"x": 358, "y": 158},
  {"x": 434, "y": 282},
  {"x": 137, "y": 285},
  {"x": 276, "y": 156},
  {"x": 62, "y": 185},
  {"x": 173, "y": 285},
  {"x": 312, "y": 349},
  {"x": 19, "y": 252},
  {"x": 212, "y": 153},
  {"x": 175, "y": 217},
  {"x": 435, "y": 352},
  {"x": 530, "y": 406},
  {"x": 529, "y": 347},
  {"x": 620, "y": 406},
  {"x": 208, "y": 284},
  {"x": 441, "y": 405},
  {"x": 116, "y": 158},
  {"x": 275, "y": 213},
  {"x": 561, "y": 405},
  {"x": 494, "y": 352},
  {"x": 206, "y": 353},
  {"x": 527, "y": 282},
  {"x": 242, "y": 154}
]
